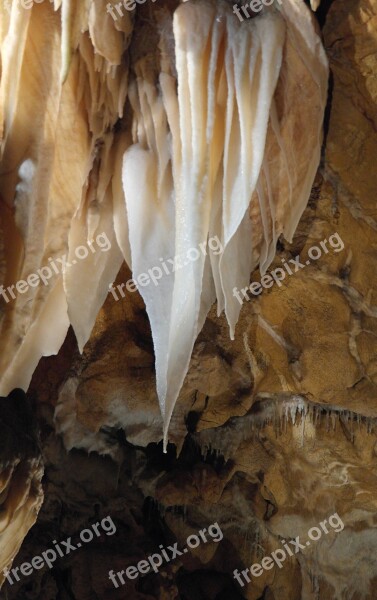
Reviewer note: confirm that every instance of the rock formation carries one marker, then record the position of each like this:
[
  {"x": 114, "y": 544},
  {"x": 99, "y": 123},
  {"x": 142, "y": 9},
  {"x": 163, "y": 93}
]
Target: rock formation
[{"x": 273, "y": 432}]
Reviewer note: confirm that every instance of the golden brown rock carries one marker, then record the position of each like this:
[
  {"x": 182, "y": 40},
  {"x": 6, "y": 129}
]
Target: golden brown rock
[{"x": 275, "y": 431}]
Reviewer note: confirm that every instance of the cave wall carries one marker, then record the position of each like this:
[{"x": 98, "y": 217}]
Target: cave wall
[{"x": 272, "y": 433}]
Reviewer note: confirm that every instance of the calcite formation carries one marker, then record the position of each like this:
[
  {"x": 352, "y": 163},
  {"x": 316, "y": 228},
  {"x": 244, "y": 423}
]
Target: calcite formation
[
  {"x": 218, "y": 151},
  {"x": 56, "y": 184},
  {"x": 220, "y": 158},
  {"x": 21, "y": 470},
  {"x": 272, "y": 431}
]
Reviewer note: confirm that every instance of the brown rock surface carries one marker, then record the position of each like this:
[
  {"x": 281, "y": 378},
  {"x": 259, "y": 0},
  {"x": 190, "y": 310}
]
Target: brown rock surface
[{"x": 274, "y": 432}]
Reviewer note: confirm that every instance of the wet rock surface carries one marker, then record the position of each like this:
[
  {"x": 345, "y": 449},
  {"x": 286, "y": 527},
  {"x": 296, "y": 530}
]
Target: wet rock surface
[{"x": 272, "y": 434}]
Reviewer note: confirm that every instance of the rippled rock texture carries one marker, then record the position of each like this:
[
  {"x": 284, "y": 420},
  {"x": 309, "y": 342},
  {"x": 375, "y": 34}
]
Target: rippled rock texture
[{"x": 272, "y": 432}]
